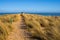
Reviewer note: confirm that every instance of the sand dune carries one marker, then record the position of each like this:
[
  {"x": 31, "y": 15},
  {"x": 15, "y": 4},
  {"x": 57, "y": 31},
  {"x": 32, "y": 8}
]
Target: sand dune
[{"x": 29, "y": 27}]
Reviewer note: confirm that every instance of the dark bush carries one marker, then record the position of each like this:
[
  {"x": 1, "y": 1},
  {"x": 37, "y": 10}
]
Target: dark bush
[{"x": 30, "y": 26}]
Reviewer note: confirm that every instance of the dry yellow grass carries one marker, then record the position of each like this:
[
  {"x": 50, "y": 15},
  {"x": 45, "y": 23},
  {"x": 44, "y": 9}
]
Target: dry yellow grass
[
  {"x": 40, "y": 27},
  {"x": 6, "y": 24},
  {"x": 43, "y": 27}
]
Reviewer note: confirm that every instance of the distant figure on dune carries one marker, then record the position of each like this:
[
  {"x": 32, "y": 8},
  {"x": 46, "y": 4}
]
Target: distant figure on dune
[{"x": 22, "y": 12}]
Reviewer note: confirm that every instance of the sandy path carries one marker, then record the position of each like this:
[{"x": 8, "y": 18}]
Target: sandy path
[{"x": 17, "y": 33}]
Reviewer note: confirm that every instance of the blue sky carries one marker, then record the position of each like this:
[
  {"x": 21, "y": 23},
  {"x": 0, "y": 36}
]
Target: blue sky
[{"x": 30, "y": 5}]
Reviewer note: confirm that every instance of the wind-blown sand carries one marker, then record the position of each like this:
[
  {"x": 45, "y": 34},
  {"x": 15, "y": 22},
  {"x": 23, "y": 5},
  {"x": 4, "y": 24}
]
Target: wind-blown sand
[{"x": 29, "y": 27}]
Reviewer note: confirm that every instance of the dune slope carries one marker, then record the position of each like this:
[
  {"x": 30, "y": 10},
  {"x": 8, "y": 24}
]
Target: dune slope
[
  {"x": 43, "y": 27},
  {"x": 29, "y": 27}
]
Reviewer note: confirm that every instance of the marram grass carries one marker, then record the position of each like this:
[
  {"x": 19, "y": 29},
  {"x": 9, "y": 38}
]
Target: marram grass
[{"x": 40, "y": 27}]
